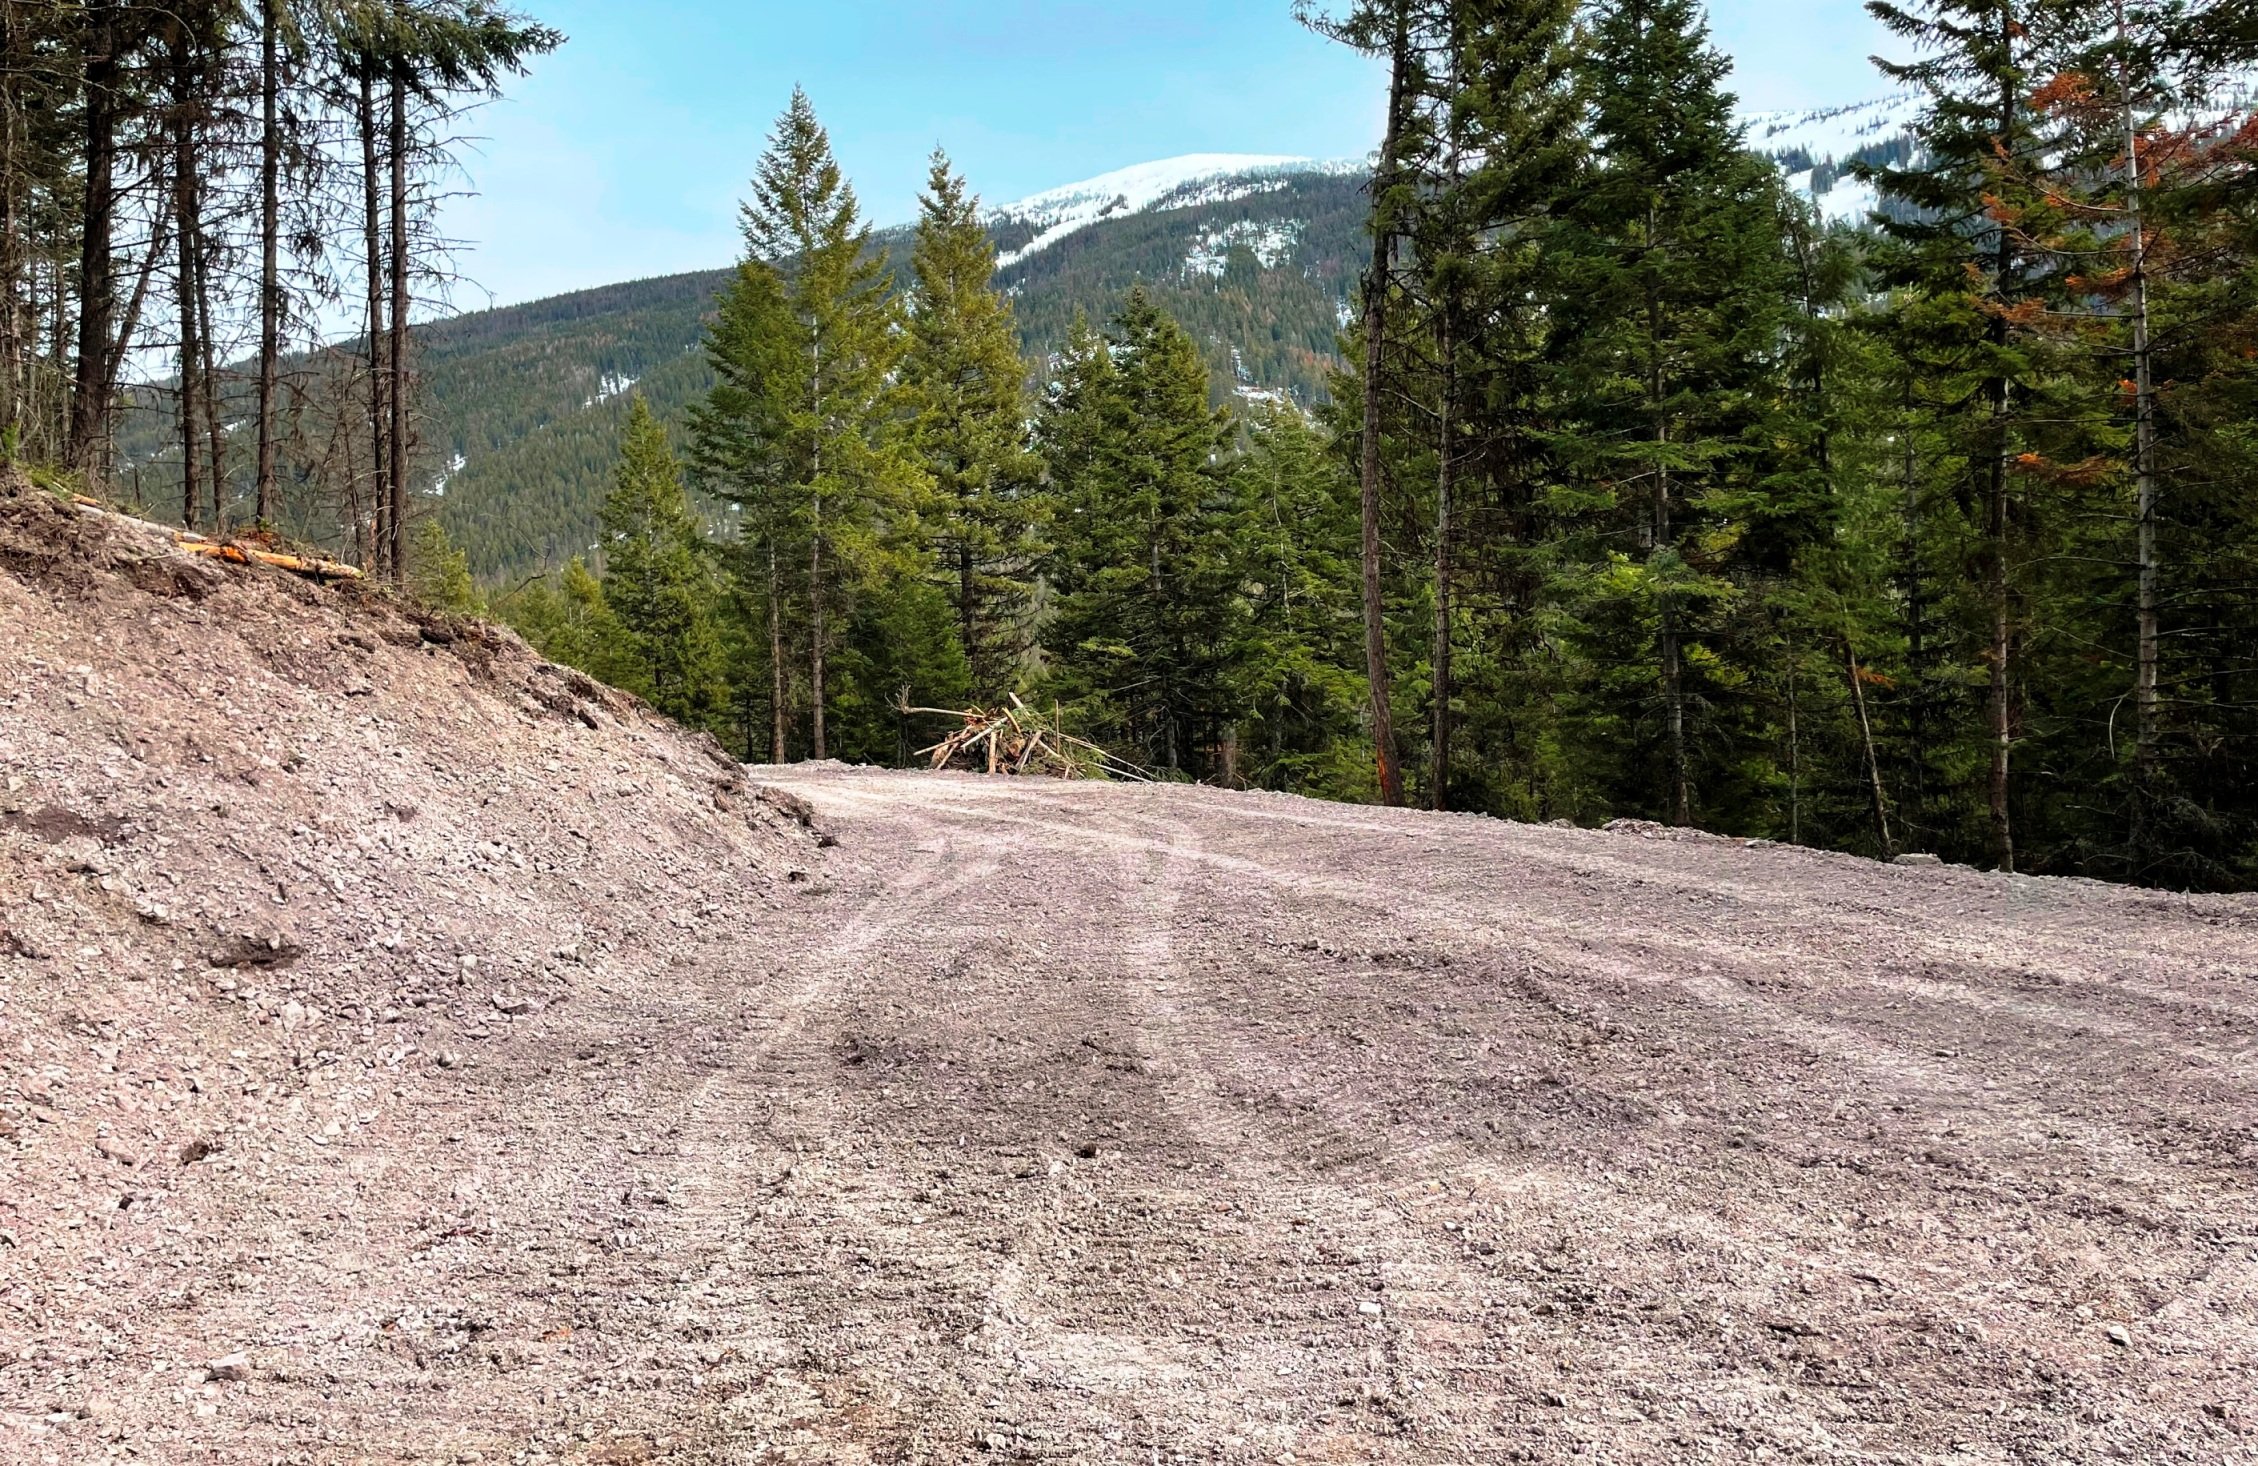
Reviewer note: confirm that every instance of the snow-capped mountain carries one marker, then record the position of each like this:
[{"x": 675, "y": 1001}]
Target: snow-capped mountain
[
  {"x": 1814, "y": 147},
  {"x": 1169, "y": 183}
]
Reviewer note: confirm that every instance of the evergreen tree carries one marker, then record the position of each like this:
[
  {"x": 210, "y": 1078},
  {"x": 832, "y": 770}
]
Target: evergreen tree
[
  {"x": 1296, "y": 670},
  {"x": 805, "y": 430},
  {"x": 657, "y": 583},
  {"x": 1142, "y": 631},
  {"x": 1500, "y": 164},
  {"x": 1972, "y": 252},
  {"x": 1673, "y": 313},
  {"x": 964, "y": 382},
  {"x": 439, "y": 574}
]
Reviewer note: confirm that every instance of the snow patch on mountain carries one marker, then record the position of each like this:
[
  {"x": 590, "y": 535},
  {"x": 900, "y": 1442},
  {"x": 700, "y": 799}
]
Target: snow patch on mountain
[
  {"x": 1172, "y": 183},
  {"x": 1845, "y": 200},
  {"x": 455, "y": 465},
  {"x": 613, "y": 384},
  {"x": 1272, "y": 244},
  {"x": 1832, "y": 134},
  {"x": 1816, "y": 143}
]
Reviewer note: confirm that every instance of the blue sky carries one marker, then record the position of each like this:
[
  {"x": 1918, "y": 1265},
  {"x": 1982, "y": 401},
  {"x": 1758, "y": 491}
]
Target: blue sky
[{"x": 624, "y": 154}]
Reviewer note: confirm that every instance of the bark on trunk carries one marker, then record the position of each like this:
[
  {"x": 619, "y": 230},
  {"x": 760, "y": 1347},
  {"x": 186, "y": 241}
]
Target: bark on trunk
[
  {"x": 208, "y": 380},
  {"x": 1873, "y": 759},
  {"x": 776, "y": 703},
  {"x": 1369, "y": 468},
  {"x": 1997, "y": 571},
  {"x": 13, "y": 285},
  {"x": 185, "y": 228},
  {"x": 819, "y": 747},
  {"x": 2149, "y": 736},
  {"x": 1446, "y": 464},
  {"x": 396, "y": 389},
  {"x": 372, "y": 249},
  {"x": 91, "y": 388},
  {"x": 270, "y": 248}
]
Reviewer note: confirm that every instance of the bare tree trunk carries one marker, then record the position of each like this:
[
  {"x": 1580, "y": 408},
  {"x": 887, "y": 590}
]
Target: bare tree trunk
[
  {"x": 396, "y": 393},
  {"x": 1873, "y": 759},
  {"x": 1446, "y": 465},
  {"x": 129, "y": 324},
  {"x": 1997, "y": 570},
  {"x": 818, "y": 748},
  {"x": 372, "y": 247},
  {"x": 186, "y": 225},
  {"x": 270, "y": 236},
  {"x": 2149, "y": 737},
  {"x": 1795, "y": 755},
  {"x": 92, "y": 388},
  {"x": 776, "y": 689},
  {"x": 14, "y": 287},
  {"x": 208, "y": 380},
  {"x": 1369, "y": 468}
]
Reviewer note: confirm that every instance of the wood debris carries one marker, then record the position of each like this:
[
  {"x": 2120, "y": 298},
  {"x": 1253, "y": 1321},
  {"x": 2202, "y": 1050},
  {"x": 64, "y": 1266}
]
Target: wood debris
[
  {"x": 1019, "y": 740},
  {"x": 238, "y": 553}
]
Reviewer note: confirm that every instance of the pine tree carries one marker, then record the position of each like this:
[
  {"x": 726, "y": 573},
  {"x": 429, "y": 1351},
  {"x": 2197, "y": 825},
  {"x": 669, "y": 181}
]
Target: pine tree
[
  {"x": 439, "y": 574},
  {"x": 657, "y": 583},
  {"x": 805, "y": 431},
  {"x": 963, "y": 380},
  {"x": 1142, "y": 631},
  {"x": 1672, "y": 316},
  {"x": 1499, "y": 164},
  {"x": 1296, "y": 670},
  {"x": 1974, "y": 249}
]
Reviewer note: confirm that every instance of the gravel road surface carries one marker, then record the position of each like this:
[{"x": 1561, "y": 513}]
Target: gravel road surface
[{"x": 1045, "y": 1122}]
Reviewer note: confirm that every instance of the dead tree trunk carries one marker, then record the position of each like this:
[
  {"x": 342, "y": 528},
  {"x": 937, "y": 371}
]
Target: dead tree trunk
[
  {"x": 1376, "y": 284},
  {"x": 372, "y": 248},
  {"x": 396, "y": 392},
  {"x": 91, "y": 388},
  {"x": 270, "y": 247}
]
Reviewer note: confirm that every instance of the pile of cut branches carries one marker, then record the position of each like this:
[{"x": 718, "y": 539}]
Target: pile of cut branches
[{"x": 1019, "y": 740}]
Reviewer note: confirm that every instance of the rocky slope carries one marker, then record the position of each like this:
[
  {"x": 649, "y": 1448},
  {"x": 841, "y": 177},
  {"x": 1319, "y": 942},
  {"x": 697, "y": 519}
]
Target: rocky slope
[{"x": 287, "y": 871}]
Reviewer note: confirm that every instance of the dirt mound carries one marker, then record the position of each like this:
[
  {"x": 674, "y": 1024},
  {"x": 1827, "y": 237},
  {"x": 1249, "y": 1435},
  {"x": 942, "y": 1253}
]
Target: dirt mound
[{"x": 283, "y": 867}]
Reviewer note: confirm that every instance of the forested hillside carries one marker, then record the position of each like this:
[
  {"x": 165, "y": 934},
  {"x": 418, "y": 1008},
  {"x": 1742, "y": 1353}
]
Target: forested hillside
[
  {"x": 1644, "y": 489},
  {"x": 518, "y": 410},
  {"x": 530, "y": 397}
]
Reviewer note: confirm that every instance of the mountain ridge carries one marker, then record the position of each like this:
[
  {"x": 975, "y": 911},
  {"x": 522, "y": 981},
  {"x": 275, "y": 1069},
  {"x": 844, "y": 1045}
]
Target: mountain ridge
[{"x": 1257, "y": 254}]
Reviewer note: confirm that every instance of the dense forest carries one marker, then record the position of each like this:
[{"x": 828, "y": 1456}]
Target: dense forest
[
  {"x": 1641, "y": 493},
  {"x": 1636, "y": 489}
]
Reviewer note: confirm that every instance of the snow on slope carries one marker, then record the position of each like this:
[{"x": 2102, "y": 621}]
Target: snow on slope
[
  {"x": 1825, "y": 136},
  {"x": 1195, "y": 178},
  {"x": 1833, "y": 133}
]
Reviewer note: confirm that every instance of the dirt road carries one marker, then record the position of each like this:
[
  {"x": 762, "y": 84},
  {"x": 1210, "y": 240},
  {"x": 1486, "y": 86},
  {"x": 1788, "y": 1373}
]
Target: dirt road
[{"x": 1053, "y": 1122}]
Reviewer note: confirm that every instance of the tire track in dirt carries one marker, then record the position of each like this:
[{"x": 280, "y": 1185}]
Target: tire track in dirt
[{"x": 1743, "y": 1256}]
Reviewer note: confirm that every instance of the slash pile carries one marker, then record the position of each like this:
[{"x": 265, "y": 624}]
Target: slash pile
[{"x": 1019, "y": 740}]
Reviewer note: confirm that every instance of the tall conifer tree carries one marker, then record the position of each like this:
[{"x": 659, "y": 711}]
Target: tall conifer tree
[
  {"x": 963, "y": 380},
  {"x": 1674, "y": 313},
  {"x": 657, "y": 582},
  {"x": 806, "y": 428}
]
